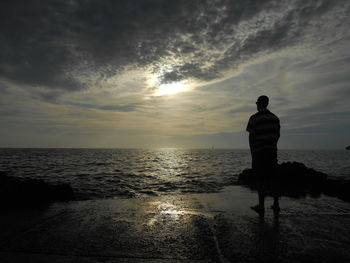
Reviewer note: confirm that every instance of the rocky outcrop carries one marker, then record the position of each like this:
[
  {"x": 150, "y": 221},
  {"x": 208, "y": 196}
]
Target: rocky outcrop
[
  {"x": 15, "y": 192},
  {"x": 296, "y": 180},
  {"x": 338, "y": 188}
]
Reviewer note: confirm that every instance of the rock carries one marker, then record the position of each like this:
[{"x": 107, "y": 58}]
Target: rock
[
  {"x": 338, "y": 188},
  {"x": 16, "y": 192},
  {"x": 294, "y": 179}
]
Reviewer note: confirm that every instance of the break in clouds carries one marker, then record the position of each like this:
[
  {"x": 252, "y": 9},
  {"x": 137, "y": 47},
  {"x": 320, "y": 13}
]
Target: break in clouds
[
  {"x": 63, "y": 44},
  {"x": 51, "y": 49}
]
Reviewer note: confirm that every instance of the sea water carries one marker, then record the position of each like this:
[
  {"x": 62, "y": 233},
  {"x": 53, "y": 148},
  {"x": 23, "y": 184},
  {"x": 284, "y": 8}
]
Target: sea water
[{"x": 101, "y": 173}]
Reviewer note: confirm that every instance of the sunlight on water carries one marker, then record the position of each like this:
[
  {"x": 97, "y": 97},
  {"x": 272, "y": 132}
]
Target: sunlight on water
[
  {"x": 169, "y": 209},
  {"x": 173, "y": 207},
  {"x": 101, "y": 173},
  {"x": 164, "y": 208}
]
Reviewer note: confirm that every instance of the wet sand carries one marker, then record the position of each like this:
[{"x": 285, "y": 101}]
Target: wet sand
[{"x": 217, "y": 227}]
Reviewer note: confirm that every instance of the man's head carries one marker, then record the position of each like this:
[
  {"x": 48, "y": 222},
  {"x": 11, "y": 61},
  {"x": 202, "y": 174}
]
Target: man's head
[{"x": 262, "y": 102}]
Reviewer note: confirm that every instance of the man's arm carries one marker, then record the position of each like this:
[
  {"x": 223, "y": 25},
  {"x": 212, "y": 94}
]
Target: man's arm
[
  {"x": 250, "y": 125},
  {"x": 250, "y": 129},
  {"x": 279, "y": 130}
]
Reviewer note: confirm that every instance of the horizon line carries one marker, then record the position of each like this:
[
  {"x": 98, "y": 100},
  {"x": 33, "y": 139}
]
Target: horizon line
[{"x": 155, "y": 148}]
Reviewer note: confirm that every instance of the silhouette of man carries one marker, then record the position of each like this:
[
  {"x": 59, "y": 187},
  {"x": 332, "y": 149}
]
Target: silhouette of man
[{"x": 264, "y": 132}]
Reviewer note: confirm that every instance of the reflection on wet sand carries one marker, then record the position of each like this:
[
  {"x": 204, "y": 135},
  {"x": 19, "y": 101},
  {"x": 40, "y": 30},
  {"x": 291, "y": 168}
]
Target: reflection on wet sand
[
  {"x": 218, "y": 227},
  {"x": 267, "y": 238}
]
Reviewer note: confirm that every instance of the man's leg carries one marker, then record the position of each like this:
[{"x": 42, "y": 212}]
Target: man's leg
[
  {"x": 275, "y": 186},
  {"x": 257, "y": 169},
  {"x": 260, "y": 208},
  {"x": 262, "y": 195},
  {"x": 276, "y": 206}
]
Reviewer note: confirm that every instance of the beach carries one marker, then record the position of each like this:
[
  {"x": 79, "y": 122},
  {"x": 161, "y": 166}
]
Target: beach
[
  {"x": 208, "y": 227},
  {"x": 174, "y": 131}
]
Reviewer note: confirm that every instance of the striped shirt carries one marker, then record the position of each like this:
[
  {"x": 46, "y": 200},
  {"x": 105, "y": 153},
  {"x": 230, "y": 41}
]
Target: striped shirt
[{"x": 264, "y": 130}]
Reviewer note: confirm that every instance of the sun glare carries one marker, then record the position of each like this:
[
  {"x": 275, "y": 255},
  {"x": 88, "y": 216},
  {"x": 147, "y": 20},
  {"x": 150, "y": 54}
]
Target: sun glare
[
  {"x": 171, "y": 88},
  {"x": 167, "y": 89}
]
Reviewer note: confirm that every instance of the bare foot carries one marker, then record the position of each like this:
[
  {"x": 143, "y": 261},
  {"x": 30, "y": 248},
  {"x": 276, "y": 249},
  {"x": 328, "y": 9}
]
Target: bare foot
[{"x": 259, "y": 209}]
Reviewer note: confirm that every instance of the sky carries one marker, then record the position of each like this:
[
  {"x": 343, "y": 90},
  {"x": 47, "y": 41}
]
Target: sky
[{"x": 179, "y": 73}]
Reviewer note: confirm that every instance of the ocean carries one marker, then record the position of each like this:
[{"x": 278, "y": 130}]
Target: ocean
[{"x": 130, "y": 173}]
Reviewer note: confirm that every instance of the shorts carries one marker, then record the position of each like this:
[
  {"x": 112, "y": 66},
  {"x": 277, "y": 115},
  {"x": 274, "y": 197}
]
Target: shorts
[{"x": 264, "y": 164}]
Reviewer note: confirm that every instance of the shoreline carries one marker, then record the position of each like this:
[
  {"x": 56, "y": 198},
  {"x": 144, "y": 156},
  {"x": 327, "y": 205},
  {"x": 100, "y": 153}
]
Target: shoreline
[{"x": 214, "y": 227}]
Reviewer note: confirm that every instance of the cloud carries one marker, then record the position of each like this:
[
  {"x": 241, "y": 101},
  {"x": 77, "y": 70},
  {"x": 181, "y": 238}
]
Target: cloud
[
  {"x": 121, "y": 108},
  {"x": 72, "y": 67},
  {"x": 246, "y": 108},
  {"x": 58, "y": 45}
]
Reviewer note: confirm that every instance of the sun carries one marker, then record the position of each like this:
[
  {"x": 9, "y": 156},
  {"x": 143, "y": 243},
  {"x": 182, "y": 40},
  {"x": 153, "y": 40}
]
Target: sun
[
  {"x": 168, "y": 88},
  {"x": 171, "y": 88}
]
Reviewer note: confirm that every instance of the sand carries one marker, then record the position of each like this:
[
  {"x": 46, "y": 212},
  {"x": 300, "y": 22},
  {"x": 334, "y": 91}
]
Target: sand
[{"x": 216, "y": 227}]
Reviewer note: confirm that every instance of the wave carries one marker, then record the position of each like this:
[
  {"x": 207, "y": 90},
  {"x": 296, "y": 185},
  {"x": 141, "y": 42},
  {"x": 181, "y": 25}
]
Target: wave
[{"x": 101, "y": 173}]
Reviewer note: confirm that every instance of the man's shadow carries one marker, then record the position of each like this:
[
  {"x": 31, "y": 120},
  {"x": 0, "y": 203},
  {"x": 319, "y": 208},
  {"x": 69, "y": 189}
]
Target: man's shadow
[{"x": 268, "y": 245}]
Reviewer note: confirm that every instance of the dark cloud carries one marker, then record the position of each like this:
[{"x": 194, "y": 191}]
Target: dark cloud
[
  {"x": 246, "y": 108},
  {"x": 120, "y": 108},
  {"x": 49, "y": 44}
]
